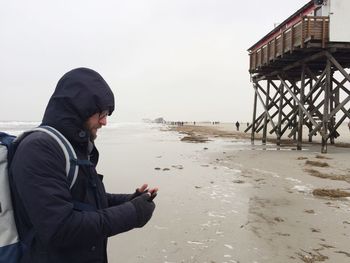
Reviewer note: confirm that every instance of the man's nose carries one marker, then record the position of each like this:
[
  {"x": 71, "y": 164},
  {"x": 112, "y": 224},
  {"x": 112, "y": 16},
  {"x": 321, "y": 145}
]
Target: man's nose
[{"x": 103, "y": 121}]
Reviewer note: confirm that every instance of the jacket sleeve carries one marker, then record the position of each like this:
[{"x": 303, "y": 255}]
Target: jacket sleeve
[
  {"x": 117, "y": 199},
  {"x": 38, "y": 170}
]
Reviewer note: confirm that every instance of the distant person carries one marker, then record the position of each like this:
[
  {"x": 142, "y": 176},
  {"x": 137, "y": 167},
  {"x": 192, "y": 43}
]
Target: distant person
[
  {"x": 237, "y": 126},
  {"x": 50, "y": 222},
  {"x": 349, "y": 125}
]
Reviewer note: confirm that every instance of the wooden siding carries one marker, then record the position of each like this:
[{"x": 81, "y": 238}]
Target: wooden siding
[{"x": 310, "y": 28}]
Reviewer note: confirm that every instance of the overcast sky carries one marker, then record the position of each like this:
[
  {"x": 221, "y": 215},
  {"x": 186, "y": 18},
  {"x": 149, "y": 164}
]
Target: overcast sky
[{"x": 179, "y": 59}]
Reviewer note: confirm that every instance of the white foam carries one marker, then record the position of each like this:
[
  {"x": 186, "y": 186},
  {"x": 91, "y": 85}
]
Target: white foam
[
  {"x": 206, "y": 224},
  {"x": 302, "y": 188},
  {"x": 212, "y": 214},
  {"x": 228, "y": 246},
  {"x": 195, "y": 243},
  {"x": 293, "y": 180}
]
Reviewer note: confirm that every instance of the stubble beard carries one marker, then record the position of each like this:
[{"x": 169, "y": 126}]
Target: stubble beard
[{"x": 93, "y": 134}]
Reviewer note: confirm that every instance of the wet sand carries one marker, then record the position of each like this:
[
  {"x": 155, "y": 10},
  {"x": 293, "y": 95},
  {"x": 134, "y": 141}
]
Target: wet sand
[{"x": 225, "y": 200}]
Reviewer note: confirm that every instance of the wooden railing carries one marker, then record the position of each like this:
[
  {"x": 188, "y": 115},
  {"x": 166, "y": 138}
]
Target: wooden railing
[{"x": 309, "y": 28}]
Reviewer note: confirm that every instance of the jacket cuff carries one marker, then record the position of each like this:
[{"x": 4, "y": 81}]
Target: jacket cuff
[{"x": 125, "y": 218}]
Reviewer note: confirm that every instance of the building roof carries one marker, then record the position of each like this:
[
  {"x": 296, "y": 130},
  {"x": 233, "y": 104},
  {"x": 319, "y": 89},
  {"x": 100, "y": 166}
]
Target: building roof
[{"x": 292, "y": 20}]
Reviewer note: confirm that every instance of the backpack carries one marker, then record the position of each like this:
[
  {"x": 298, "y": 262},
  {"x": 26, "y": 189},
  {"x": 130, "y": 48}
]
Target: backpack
[{"x": 11, "y": 248}]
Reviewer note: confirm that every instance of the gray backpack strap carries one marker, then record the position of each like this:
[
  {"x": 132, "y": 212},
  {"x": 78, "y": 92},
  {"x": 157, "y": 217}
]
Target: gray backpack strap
[{"x": 72, "y": 167}]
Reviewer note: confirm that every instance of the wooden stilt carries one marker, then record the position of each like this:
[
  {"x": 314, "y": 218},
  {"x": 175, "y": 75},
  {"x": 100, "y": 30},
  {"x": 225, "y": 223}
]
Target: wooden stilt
[
  {"x": 254, "y": 117},
  {"x": 280, "y": 117},
  {"x": 265, "y": 119},
  {"x": 332, "y": 133},
  {"x": 310, "y": 124},
  {"x": 326, "y": 107},
  {"x": 301, "y": 115},
  {"x": 294, "y": 125}
]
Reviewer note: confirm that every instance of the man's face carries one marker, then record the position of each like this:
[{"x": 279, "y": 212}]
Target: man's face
[{"x": 95, "y": 122}]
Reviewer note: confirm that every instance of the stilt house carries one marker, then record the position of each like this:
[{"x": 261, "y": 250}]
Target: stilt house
[{"x": 299, "y": 74}]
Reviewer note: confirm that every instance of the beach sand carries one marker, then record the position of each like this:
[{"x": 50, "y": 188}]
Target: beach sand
[{"x": 226, "y": 200}]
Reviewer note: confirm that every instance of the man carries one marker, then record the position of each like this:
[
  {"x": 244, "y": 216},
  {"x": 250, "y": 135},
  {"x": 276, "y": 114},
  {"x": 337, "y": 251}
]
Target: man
[
  {"x": 51, "y": 228},
  {"x": 237, "y": 125}
]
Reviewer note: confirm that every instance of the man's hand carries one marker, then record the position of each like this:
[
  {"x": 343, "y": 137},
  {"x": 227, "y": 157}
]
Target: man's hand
[
  {"x": 144, "y": 208},
  {"x": 144, "y": 189}
]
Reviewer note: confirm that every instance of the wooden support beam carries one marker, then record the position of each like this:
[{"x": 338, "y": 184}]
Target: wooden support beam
[
  {"x": 294, "y": 130},
  {"x": 331, "y": 114},
  {"x": 346, "y": 115},
  {"x": 291, "y": 114},
  {"x": 263, "y": 91},
  {"x": 284, "y": 94},
  {"x": 263, "y": 114},
  {"x": 293, "y": 65},
  {"x": 264, "y": 137},
  {"x": 310, "y": 126},
  {"x": 262, "y": 102},
  {"x": 339, "y": 106},
  {"x": 331, "y": 135},
  {"x": 298, "y": 102},
  {"x": 317, "y": 84},
  {"x": 346, "y": 112},
  {"x": 279, "y": 124},
  {"x": 273, "y": 102},
  {"x": 338, "y": 66},
  {"x": 317, "y": 95},
  {"x": 301, "y": 118},
  {"x": 294, "y": 120},
  {"x": 340, "y": 85},
  {"x": 326, "y": 107},
  {"x": 315, "y": 110},
  {"x": 254, "y": 116},
  {"x": 274, "y": 114},
  {"x": 286, "y": 117},
  {"x": 258, "y": 124}
]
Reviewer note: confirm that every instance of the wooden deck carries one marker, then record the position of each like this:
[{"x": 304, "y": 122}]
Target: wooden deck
[{"x": 310, "y": 29}]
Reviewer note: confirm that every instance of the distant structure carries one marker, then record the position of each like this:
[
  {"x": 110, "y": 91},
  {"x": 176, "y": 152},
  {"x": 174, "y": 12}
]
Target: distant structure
[
  {"x": 298, "y": 72},
  {"x": 159, "y": 120}
]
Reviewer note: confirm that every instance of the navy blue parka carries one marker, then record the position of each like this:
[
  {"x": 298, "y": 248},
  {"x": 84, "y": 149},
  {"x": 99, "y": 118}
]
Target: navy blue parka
[{"x": 42, "y": 198}]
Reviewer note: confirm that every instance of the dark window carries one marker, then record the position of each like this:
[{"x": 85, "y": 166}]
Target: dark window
[{"x": 318, "y": 11}]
